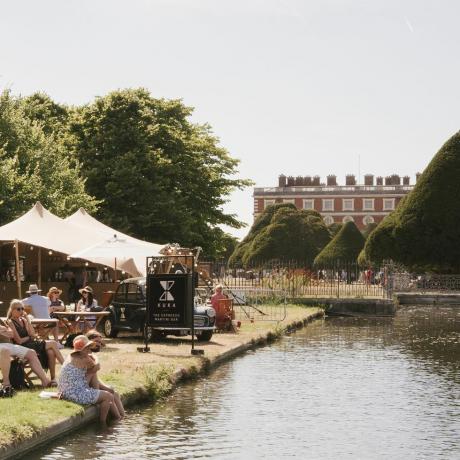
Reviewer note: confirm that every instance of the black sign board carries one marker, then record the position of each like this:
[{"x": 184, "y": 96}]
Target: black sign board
[{"x": 170, "y": 300}]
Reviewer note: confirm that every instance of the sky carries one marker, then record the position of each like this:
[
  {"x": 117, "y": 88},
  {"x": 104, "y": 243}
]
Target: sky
[{"x": 296, "y": 87}]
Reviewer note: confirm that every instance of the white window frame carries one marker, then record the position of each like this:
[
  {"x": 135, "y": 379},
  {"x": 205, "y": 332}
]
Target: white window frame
[
  {"x": 268, "y": 203},
  {"x": 310, "y": 205},
  {"x": 348, "y": 204},
  {"x": 366, "y": 218},
  {"x": 370, "y": 202},
  {"x": 348, "y": 219},
  {"x": 328, "y": 201},
  {"x": 388, "y": 204},
  {"x": 328, "y": 220},
  {"x": 289, "y": 200}
]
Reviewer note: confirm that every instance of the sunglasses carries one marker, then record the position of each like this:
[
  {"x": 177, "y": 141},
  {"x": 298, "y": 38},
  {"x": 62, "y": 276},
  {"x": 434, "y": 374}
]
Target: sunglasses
[{"x": 20, "y": 308}]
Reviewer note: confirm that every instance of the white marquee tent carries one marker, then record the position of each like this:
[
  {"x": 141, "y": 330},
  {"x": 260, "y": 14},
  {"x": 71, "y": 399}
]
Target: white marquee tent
[{"x": 41, "y": 228}]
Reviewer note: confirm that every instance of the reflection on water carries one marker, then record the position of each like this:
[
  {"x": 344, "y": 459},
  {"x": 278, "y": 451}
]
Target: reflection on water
[{"x": 343, "y": 388}]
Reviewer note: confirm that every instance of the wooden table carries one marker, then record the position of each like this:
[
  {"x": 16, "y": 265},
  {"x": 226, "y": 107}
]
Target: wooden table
[
  {"x": 79, "y": 318},
  {"x": 41, "y": 326}
]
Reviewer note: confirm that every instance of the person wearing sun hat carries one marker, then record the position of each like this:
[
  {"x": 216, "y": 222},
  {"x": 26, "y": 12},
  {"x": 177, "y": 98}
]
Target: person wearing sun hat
[
  {"x": 38, "y": 303},
  {"x": 73, "y": 381}
]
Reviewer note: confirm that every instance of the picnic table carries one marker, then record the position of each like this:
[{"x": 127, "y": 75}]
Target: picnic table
[{"x": 79, "y": 321}]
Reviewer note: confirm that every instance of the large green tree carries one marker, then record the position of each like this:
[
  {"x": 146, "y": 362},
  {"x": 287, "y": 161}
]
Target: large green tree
[
  {"x": 159, "y": 176},
  {"x": 34, "y": 166},
  {"x": 283, "y": 233},
  {"x": 344, "y": 247},
  {"x": 423, "y": 232}
]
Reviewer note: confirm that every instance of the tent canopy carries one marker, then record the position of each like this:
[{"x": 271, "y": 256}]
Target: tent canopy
[{"x": 39, "y": 227}]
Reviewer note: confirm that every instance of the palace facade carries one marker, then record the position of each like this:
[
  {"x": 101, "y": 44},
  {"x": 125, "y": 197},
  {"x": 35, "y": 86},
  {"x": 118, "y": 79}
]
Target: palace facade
[{"x": 361, "y": 203}]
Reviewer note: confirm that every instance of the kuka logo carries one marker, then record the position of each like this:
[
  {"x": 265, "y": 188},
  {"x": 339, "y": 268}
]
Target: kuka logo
[{"x": 167, "y": 296}]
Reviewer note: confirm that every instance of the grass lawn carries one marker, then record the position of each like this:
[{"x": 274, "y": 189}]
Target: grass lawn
[{"x": 131, "y": 372}]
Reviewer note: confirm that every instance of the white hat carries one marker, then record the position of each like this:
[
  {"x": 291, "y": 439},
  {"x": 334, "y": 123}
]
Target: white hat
[{"x": 33, "y": 289}]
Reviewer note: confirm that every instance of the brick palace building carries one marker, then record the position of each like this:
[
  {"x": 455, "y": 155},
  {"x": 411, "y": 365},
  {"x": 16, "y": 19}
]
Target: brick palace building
[{"x": 363, "y": 204}]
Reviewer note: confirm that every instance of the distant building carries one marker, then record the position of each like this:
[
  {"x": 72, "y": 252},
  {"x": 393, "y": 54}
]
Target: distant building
[{"x": 363, "y": 204}]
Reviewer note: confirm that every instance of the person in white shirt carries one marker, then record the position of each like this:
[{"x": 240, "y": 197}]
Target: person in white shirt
[{"x": 40, "y": 306}]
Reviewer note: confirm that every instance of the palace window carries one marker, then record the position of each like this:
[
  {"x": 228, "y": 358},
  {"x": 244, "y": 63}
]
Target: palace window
[
  {"x": 309, "y": 204},
  {"x": 328, "y": 220},
  {"x": 289, "y": 200},
  {"x": 388, "y": 204},
  {"x": 348, "y": 204},
  {"x": 368, "y": 204},
  {"x": 368, "y": 220},
  {"x": 268, "y": 203},
  {"x": 328, "y": 205}
]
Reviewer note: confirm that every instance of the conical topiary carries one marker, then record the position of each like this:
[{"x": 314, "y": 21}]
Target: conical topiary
[
  {"x": 424, "y": 231},
  {"x": 344, "y": 247}
]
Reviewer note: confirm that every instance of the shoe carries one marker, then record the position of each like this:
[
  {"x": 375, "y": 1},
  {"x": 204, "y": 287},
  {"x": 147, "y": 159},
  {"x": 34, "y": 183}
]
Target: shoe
[{"x": 8, "y": 392}]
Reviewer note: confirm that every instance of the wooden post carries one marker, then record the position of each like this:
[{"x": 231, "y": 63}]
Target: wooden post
[
  {"x": 39, "y": 257},
  {"x": 115, "y": 271},
  {"x": 18, "y": 279}
]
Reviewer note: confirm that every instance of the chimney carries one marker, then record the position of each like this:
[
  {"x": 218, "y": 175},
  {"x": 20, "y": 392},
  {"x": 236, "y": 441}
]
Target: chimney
[
  {"x": 395, "y": 179},
  {"x": 299, "y": 181},
  {"x": 350, "y": 179},
  {"x": 368, "y": 179},
  {"x": 379, "y": 180},
  {"x": 290, "y": 181},
  {"x": 282, "y": 181},
  {"x": 308, "y": 180},
  {"x": 388, "y": 180},
  {"x": 331, "y": 180},
  {"x": 316, "y": 180},
  {"x": 406, "y": 180}
]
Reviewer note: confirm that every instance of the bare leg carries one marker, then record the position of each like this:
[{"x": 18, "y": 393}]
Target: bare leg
[
  {"x": 56, "y": 333},
  {"x": 119, "y": 404},
  {"x": 5, "y": 364},
  {"x": 114, "y": 411},
  {"x": 51, "y": 363},
  {"x": 105, "y": 400},
  {"x": 52, "y": 345},
  {"x": 32, "y": 358}
]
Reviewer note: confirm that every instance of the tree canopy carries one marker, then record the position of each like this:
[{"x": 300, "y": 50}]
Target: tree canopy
[
  {"x": 423, "y": 232},
  {"x": 345, "y": 246},
  {"x": 282, "y": 232},
  {"x": 158, "y": 175},
  {"x": 34, "y": 166}
]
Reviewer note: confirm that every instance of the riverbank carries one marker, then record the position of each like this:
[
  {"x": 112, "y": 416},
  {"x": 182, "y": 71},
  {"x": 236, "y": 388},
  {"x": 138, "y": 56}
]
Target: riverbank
[{"x": 28, "y": 421}]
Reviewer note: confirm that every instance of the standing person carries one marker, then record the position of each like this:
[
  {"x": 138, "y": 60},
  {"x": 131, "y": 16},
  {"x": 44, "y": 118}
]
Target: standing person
[
  {"x": 24, "y": 334},
  {"x": 8, "y": 351},
  {"x": 40, "y": 306},
  {"x": 73, "y": 382}
]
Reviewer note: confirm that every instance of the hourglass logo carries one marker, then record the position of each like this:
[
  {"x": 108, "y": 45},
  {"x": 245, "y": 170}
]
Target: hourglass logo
[{"x": 167, "y": 296}]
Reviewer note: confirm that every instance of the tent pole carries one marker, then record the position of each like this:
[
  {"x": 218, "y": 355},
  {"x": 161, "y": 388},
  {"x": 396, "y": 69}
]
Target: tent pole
[
  {"x": 18, "y": 279},
  {"x": 39, "y": 256},
  {"x": 115, "y": 277}
]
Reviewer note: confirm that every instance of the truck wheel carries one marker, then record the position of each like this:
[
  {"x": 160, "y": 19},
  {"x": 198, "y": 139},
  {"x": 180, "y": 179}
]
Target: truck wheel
[
  {"x": 109, "y": 330},
  {"x": 205, "y": 336}
]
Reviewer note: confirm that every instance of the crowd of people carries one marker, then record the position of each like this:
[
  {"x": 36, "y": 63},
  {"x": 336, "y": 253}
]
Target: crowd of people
[{"x": 78, "y": 379}]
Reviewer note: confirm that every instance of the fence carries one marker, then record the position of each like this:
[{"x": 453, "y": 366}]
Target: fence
[
  {"x": 424, "y": 283},
  {"x": 340, "y": 279}
]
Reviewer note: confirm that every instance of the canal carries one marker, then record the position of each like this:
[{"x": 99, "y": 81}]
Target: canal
[{"x": 342, "y": 388}]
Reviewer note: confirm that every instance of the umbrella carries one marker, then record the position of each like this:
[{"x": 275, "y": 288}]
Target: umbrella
[{"x": 122, "y": 251}]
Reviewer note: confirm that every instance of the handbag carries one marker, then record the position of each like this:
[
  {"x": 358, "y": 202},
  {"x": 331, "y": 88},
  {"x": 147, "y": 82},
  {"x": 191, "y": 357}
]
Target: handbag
[{"x": 17, "y": 375}]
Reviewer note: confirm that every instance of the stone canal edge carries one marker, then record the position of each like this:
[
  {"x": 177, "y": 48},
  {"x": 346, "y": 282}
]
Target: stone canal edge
[{"x": 90, "y": 414}]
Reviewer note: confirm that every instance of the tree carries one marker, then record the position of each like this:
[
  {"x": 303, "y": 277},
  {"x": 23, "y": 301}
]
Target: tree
[
  {"x": 423, "y": 232},
  {"x": 160, "y": 177},
  {"x": 334, "y": 228},
  {"x": 345, "y": 246},
  {"x": 34, "y": 166},
  {"x": 368, "y": 229},
  {"x": 283, "y": 233}
]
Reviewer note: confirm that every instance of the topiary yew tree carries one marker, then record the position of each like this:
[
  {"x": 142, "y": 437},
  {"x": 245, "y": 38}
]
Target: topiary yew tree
[
  {"x": 424, "y": 232},
  {"x": 345, "y": 246}
]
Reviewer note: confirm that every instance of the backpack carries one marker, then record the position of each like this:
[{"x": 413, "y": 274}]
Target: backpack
[{"x": 17, "y": 375}]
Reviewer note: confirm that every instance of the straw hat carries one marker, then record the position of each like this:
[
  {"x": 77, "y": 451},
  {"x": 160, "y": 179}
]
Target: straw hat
[
  {"x": 80, "y": 342},
  {"x": 86, "y": 289},
  {"x": 33, "y": 289},
  {"x": 54, "y": 290}
]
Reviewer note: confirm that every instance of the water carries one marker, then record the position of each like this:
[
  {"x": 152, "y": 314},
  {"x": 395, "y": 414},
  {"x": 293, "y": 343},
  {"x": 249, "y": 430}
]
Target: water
[{"x": 343, "y": 388}]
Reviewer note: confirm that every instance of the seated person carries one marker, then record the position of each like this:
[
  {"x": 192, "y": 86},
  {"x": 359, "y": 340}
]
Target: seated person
[
  {"x": 39, "y": 305},
  {"x": 56, "y": 304},
  {"x": 92, "y": 378},
  {"x": 8, "y": 351},
  {"x": 218, "y": 295},
  {"x": 78, "y": 369},
  {"x": 25, "y": 335}
]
